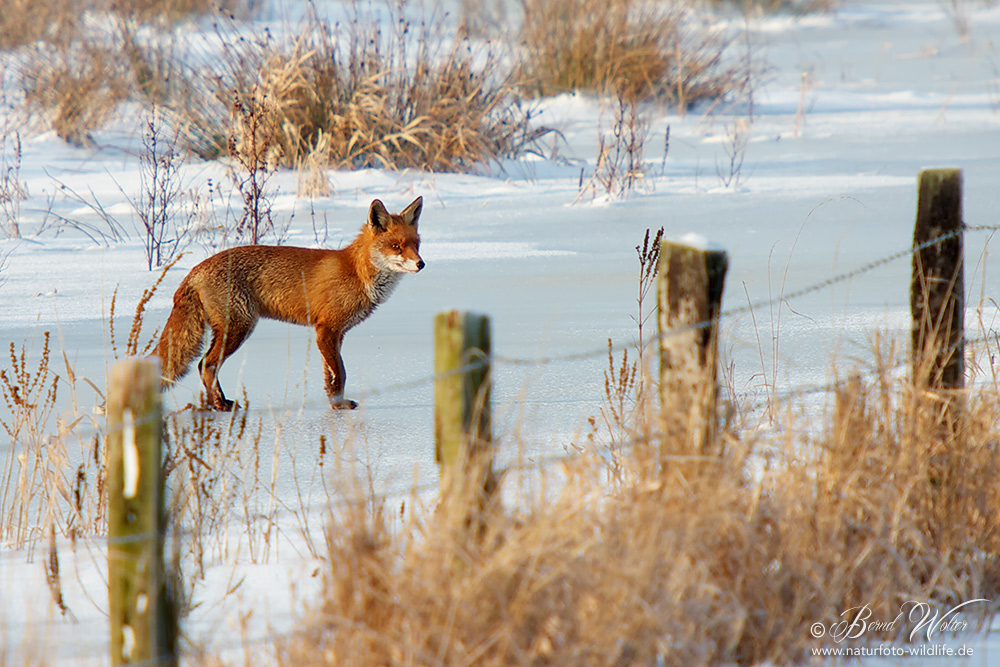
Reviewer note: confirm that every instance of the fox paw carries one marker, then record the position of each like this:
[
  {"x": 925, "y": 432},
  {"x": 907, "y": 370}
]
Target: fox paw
[
  {"x": 223, "y": 404},
  {"x": 343, "y": 404}
]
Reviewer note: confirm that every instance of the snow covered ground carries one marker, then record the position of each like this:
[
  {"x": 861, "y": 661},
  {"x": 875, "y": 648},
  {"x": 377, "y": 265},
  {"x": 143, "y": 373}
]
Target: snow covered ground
[{"x": 854, "y": 103}]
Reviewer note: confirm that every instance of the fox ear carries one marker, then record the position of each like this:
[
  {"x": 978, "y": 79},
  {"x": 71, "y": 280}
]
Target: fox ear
[
  {"x": 378, "y": 217},
  {"x": 411, "y": 214}
]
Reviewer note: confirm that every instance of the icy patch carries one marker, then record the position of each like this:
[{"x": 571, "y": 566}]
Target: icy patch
[{"x": 488, "y": 250}]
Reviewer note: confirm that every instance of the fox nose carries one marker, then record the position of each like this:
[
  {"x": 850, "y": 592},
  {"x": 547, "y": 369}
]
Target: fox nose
[{"x": 420, "y": 264}]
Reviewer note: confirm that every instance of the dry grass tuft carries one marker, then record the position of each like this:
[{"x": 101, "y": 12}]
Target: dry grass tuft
[
  {"x": 76, "y": 88},
  {"x": 381, "y": 97},
  {"x": 171, "y": 11},
  {"x": 132, "y": 348},
  {"x": 636, "y": 50},
  {"x": 795, "y": 7},
  {"x": 213, "y": 468},
  {"x": 313, "y": 170},
  {"x": 31, "y": 480},
  {"x": 650, "y": 556},
  {"x": 25, "y": 21},
  {"x": 620, "y": 166}
]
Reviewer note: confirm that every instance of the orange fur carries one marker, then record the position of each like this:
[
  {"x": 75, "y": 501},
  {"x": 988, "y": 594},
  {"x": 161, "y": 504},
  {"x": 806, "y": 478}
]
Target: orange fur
[{"x": 330, "y": 290}]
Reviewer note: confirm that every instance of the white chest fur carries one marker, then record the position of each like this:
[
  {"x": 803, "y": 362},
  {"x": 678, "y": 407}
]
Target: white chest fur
[
  {"x": 383, "y": 285},
  {"x": 377, "y": 292}
]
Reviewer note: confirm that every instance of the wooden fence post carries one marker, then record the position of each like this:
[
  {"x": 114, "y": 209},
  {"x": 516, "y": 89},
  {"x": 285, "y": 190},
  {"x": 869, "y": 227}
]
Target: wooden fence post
[
  {"x": 142, "y": 628},
  {"x": 937, "y": 290},
  {"x": 689, "y": 297},
  {"x": 462, "y": 406},
  {"x": 462, "y": 351}
]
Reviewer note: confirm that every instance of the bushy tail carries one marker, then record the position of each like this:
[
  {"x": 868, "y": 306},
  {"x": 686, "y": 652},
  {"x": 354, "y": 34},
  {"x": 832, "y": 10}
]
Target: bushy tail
[{"x": 183, "y": 334}]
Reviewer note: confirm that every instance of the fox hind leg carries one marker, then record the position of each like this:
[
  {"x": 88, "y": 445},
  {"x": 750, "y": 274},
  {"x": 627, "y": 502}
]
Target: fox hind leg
[{"x": 225, "y": 341}]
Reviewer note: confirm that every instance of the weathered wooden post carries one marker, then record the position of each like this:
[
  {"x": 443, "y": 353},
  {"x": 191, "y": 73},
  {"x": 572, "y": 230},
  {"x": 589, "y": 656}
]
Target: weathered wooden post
[
  {"x": 142, "y": 629},
  {"x": 937, "y": 291},
  {"x": 462, "y": 402},
  {"x": 690, "y": 282},
  {"x": 462, "y": 390}
]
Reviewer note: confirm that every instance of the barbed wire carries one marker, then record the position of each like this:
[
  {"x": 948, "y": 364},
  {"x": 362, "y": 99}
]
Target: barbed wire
[
  {"x": 426, "y": 380},
  {"x": 535, "y": 463},
  {"x": 854, "y": 273},
  {"x": 546, "y": 461},
  {"x": 603, "y": 351},
  {"x": 801, "y": 391},
  {"x": 759, "y": 304}
]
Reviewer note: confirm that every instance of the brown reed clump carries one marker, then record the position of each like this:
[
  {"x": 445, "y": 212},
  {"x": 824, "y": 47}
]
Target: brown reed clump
[
  {"x": 76, "y": 87},
  {"x": 623, "y": 47},
  {"x": 170, "y": 11},
  {"x": 24, "y": 21},
  {"x": 644, "y": 557},
  {"x": 30, "y": 470},
  {"x": 363, "y": 95}
]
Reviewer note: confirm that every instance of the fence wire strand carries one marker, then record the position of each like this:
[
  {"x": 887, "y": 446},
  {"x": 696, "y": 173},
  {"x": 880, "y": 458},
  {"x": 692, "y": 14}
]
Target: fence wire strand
[
  {"x": 587, "y": 355},
  {"x": 761, "y": 303},
  {"x": 547, "y": 461},
  {"x": 789, "y": 395}
]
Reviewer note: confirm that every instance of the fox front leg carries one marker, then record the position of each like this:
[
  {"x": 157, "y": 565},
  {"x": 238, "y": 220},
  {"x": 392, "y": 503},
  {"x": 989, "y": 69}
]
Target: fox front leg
[{"x": 334, "y": 373}]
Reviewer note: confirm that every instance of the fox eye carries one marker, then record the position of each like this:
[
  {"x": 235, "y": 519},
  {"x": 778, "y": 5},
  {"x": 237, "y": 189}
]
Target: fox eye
[{"x": 395, "y": 246}]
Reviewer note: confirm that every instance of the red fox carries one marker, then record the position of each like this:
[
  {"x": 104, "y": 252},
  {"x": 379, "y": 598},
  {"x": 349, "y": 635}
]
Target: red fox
[{"x": 331, "y": 290}]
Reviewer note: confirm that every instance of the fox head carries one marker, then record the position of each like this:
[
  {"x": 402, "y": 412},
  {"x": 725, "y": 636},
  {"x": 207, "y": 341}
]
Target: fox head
[{"x": 395, "y": 244}]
